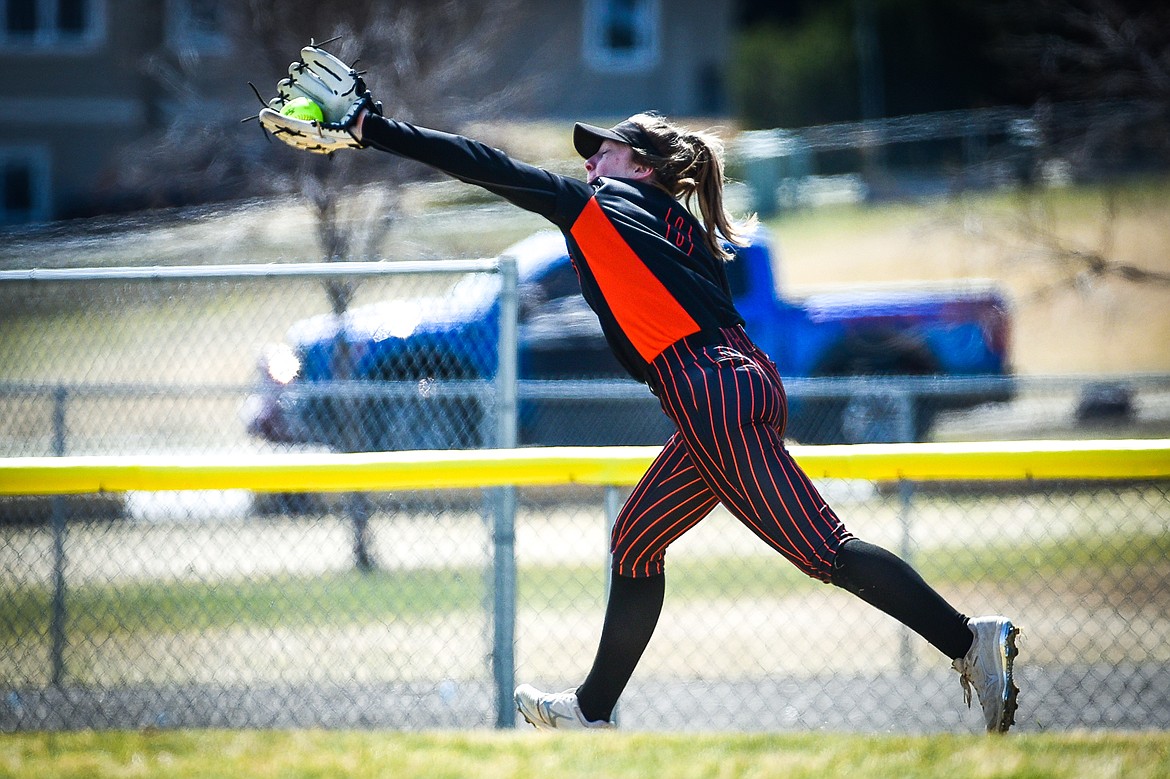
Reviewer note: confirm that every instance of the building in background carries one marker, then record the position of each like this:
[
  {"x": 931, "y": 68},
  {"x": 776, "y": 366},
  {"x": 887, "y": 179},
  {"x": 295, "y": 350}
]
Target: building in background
[
  {"x": 80, "y": 87},
  {"x": 628, "y": 55}
]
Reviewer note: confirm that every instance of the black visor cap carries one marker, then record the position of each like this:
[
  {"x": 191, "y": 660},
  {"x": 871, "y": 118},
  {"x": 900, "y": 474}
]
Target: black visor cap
[{"x": 587, "y": 139}]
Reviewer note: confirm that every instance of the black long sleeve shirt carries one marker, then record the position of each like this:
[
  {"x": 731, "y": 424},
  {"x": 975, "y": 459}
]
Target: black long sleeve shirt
[{"x": 639, "y": 254}]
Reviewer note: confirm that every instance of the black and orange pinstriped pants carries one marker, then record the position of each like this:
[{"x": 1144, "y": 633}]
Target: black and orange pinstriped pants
[{"x": 727, "y": 401}]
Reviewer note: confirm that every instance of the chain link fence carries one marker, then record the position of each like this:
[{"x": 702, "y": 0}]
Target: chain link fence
[
  {"x": 234, "y": 609},
  {"x": 925, "y": 155}
]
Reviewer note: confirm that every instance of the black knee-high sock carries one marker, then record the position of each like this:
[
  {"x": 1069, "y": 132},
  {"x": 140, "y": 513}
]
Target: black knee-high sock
[
  {"x": 630, "y": 618},
  {"x": 886, "y": 581}
]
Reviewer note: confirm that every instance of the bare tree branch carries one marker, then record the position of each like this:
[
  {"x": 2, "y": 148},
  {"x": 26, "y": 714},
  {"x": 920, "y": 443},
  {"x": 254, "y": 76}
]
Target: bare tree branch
[
  {"x": 418, "y": 53},
  {"x": 1111, "y": 49},
  {"x": 1031, "y": 234}
]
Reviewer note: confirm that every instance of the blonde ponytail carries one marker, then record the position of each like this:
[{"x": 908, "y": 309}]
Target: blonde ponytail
[{"x": 689, "y": 165}]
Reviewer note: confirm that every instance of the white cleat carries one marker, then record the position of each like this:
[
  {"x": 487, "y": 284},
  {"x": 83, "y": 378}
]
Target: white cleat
[
  {"x": 554, "y": 711},
  {"x": 987, "y": 667}
]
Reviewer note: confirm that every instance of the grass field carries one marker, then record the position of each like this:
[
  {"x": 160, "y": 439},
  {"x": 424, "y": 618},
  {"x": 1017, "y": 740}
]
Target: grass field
[
  {"x": 499, "y": 755},
  {"x": 346, "y": 597}
]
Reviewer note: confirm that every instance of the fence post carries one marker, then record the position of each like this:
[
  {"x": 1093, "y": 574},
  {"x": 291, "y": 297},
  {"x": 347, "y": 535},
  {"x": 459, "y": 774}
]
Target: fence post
[
  {"x": 906, "y": 496},
  {"x": 613, "y": 505},
  {"x": 504, "y": 520},
  {"x": 58, "y": 614},
  {"x": 905, "y": 401}
]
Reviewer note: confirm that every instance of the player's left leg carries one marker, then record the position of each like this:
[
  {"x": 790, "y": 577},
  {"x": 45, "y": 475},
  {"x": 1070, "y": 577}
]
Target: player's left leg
[{"x": 669, "y": 499}]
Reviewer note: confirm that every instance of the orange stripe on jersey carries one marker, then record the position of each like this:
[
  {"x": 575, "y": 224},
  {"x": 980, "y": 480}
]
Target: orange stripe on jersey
[{"x": 646, "y": 312}]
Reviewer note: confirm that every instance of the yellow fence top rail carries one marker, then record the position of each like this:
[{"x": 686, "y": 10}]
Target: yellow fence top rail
[{"x": 385, "y": 471}]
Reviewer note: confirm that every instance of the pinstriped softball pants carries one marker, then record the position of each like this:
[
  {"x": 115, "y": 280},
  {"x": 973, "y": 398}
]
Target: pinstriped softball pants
[{"x": 727, "y": 401}]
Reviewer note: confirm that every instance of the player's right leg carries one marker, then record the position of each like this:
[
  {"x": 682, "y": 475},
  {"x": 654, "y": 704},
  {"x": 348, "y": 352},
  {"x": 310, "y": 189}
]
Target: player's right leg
[
  {"x": 727, "y": 404},
  {"x": 988, "y": 668},
  {"x": 668, "y": 500},
  {"x": 982, "y": 649}
]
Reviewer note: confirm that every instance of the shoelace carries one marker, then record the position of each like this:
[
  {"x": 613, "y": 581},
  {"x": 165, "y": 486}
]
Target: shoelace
[{"x": 965, "y": 679}]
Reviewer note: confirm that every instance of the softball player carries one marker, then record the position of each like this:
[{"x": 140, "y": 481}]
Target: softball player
[{"x": 654, "y": 274}]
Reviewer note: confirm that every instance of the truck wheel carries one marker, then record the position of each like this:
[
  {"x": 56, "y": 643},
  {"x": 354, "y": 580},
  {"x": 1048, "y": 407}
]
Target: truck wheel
[
  {"x": 867, "y": 418},
  {"x": 879, "y": 419}
]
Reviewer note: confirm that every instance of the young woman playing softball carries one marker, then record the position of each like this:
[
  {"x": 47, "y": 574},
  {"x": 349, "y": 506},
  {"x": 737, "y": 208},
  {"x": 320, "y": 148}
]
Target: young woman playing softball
[{"x": 653, "y": 271}]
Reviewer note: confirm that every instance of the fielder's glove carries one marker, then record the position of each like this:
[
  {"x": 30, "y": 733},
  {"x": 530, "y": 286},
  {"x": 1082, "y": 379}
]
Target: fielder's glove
[{"x": 336, "y": 87}]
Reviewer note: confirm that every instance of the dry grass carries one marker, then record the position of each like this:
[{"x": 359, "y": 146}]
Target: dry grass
[{"x": 1068, "y": 321}]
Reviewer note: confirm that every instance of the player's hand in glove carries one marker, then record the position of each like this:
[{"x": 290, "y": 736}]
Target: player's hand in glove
[{"x": 334, "y": 86}]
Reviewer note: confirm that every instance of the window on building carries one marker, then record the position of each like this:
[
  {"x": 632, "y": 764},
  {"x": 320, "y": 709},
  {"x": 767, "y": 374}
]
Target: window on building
[
  {"x": 24, "y": 187},
  {"x": 71, "y": 16},
  {"x": 51, "y": 23},
  {"x": 197, "y": 26},
  {"x": 622, "y": 34}
]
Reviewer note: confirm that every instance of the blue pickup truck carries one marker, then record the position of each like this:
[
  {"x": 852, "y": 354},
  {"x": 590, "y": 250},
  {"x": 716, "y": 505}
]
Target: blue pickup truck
[{"x": 423, "y": 363}]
